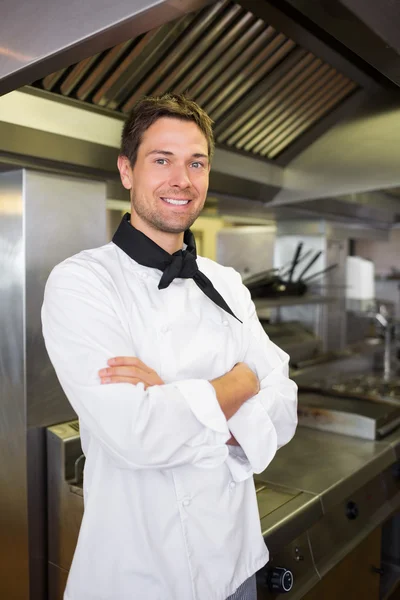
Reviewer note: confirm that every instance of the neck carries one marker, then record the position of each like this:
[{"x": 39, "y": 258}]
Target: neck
[{"x": 170, "y": 242}]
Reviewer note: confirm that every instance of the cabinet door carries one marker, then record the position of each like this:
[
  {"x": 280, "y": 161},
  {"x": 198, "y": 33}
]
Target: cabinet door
[{"x": 353, "y": 577}]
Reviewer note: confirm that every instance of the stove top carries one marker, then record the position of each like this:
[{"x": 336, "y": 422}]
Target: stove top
[{"x": 370, "y": 387}]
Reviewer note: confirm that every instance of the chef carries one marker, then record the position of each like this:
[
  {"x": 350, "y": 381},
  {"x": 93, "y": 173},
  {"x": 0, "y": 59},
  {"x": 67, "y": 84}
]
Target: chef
[{"x": 180, "y": 394}]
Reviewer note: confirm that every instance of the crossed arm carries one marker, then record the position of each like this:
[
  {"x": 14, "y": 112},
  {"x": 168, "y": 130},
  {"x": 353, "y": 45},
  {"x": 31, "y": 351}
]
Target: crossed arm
[
  {"x": 232, "y": 389},
  {"x": 155, "y": 425}
]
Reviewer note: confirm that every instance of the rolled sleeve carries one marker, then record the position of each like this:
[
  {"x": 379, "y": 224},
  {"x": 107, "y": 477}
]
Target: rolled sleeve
[
  {"x": 254, "y": 430},
  {"x": 202, "y": 399}
]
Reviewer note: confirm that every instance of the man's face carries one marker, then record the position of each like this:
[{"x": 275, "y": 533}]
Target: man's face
[{"x": 169, "y": 181}]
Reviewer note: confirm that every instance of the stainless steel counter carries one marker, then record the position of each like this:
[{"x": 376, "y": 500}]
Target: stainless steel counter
[
  {"x": 302, "y": 498},
  {"x": 329, "y": 465},
  {"x": 318, "y": 477}
]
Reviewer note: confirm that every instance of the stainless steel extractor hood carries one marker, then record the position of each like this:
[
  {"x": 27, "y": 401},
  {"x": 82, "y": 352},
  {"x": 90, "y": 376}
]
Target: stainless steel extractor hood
[
  {"x": 278, "y": 87},
  {"x": 263, "y": 89}
]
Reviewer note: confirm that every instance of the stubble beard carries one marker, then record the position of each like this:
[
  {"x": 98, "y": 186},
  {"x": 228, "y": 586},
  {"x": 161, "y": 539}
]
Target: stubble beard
[{"x": 154, "y": 220}]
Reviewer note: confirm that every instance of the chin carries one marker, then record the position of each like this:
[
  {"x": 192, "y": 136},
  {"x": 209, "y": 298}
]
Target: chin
[{"x": 173, "y": 229}]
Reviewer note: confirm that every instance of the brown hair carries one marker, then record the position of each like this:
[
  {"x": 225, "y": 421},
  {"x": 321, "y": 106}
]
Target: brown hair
[{"x": 148, "y": 110}]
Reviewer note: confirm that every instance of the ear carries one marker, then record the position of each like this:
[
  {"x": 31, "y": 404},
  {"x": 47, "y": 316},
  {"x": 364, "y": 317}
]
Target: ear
[{"x": 125, "y": 171}]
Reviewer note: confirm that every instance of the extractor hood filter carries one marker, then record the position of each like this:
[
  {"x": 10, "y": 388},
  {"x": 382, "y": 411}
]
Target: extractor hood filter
[{"x": 262, "y": 89}]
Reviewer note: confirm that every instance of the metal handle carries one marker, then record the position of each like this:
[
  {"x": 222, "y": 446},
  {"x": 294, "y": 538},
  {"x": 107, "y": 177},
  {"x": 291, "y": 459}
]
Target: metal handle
[
  {"x": 78, "y": 470},
  {"x": 295, "y": 259}
]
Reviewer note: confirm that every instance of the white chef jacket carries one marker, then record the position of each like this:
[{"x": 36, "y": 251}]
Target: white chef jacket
[{"x": 170, "y": 508}]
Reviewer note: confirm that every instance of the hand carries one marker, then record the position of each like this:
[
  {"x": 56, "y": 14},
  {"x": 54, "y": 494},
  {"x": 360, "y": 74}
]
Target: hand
[
  {"x": 232, "y": 441},
  {"x": 129, "y": 369},
  {"x": 247, "y": 378},
  {"x": 234, "y": 388}
]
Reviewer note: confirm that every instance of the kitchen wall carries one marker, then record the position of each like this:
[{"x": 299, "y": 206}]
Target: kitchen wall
[{"x": 385, "y": 255}]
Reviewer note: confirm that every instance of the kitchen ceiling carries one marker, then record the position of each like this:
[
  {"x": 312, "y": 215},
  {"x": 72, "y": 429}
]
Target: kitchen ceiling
[{"x": 263, "y": 91}]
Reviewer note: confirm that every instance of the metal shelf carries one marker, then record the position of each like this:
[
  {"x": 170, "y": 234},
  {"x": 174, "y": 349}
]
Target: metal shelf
[{"x": 264, "y": 303}]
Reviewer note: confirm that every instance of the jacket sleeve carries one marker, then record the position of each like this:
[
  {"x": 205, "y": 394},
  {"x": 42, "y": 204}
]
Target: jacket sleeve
[
  {"x": 161, "y": 427},
  {"x": 268, "y": 420}
]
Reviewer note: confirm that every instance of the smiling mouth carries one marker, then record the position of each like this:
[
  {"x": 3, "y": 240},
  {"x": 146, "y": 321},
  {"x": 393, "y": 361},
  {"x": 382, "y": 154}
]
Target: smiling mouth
[{"x": 175, "y": 201}]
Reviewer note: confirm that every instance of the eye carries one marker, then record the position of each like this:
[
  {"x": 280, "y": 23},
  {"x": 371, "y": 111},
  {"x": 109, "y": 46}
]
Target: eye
[
  {"x": 197, "y": 164},
  {"x": 161, "y": 161}
]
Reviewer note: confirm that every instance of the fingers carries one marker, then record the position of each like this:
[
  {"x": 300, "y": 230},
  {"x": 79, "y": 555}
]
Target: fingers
[
  {"x": 121, "y": 374},
  {"x": 129, "y": 369},
  {"x": 121, "y": 379},
  {"x": 123, "y": 371},
  {"x": 128, "y": 361},
  {"x": 110, "y": 373}
]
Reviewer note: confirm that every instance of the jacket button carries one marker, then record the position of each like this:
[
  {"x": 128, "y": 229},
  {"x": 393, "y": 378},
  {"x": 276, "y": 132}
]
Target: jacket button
[{"x": 186, "y": 502}]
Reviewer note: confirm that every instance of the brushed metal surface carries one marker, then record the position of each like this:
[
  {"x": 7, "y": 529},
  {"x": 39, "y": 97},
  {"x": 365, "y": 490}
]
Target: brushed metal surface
[
  {"x": 27, "y": 147},
  {"x": 43, "y": 219},
  {"x": 63, "y": 215},
  {"x": 334, "y": 317},
  {"x": 14, "y": 567},
  {"x": 269, "y": 499},
  {"x": 394, "y": 440},
  {"x": 298, "y": 80},
  {"x": 238, "y": 122},
  {"x": 65, "y": 507},
  {"x": 248, "y": 249},
  {"x": 65, "y": 33},
  {"x": 192, "y": 38},
  {"x": 227, "y": 64},
  {"x": 367, "y": 30},
  {"x": 229, "y": 61},
  {"x": 358, "y": 361},
  {"x": 291, "y": 519},
  {"x": 348, "y": 416},
  {"x": 327, "y": 464},
  {"x": 233, "y": 36},
  {"x": 127, "y": 74},
  {"x": 336, "y": 535}
]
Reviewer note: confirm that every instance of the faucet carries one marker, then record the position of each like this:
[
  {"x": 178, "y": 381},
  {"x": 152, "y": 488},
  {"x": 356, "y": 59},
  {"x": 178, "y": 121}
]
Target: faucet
[{"x": 384, "y": 319}]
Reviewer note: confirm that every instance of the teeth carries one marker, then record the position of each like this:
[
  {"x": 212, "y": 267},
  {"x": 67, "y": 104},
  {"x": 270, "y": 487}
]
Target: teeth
[{"x": 177, "y": 202}]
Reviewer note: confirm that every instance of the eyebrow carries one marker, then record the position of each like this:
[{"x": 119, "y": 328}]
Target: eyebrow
[{"x": 168, "y": 153}]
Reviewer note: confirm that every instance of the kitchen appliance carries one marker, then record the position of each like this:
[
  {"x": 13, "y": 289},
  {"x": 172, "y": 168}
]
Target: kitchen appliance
[
  {"x": 275, "y": 283},
  {"x": 43, "y": 219},
  {"x": 358, "y": 404},
  {"x": 308, "y": 528},
  {"x": 359, "y": 418}
]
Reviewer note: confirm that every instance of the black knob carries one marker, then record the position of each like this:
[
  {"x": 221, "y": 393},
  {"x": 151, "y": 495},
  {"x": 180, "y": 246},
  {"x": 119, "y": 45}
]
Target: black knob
[
  {"x": 280, "y": 580},
  {"x": 352, "y": 510}
]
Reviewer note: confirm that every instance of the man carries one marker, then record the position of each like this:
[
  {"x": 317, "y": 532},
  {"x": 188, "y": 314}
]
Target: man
[{"x": 180, "y": 394}]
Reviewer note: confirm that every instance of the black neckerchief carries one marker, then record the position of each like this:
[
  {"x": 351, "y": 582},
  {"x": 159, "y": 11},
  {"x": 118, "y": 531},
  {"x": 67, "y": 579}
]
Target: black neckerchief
[{"x": 181, "y": 264}]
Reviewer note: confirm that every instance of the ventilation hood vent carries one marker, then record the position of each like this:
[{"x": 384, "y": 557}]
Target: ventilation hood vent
[{"x": 262, "y": 89}]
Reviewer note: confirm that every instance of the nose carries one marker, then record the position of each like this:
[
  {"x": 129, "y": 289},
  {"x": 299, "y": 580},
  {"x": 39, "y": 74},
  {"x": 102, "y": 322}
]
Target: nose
[{"x": 180, "y": 177}]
